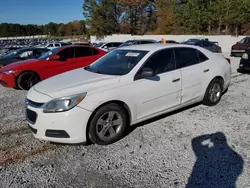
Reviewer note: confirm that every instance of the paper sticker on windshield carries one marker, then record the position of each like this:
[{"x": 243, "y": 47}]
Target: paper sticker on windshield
[{"x": 130, "y": 54}]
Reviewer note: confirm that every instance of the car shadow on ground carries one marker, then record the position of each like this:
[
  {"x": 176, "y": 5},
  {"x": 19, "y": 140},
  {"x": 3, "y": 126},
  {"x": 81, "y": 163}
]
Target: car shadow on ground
[
  {"x": 151, "y": 120},
  {"x": 217, "y": 165}
]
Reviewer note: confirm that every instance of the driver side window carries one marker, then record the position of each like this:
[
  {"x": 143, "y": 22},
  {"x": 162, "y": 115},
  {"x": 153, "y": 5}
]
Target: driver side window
[
  {"x": 66, "y": 54},
  {"x": 161, "y": 62}
]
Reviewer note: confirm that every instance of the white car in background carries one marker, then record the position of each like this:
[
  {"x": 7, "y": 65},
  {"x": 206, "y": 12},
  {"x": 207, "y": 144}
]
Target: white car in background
[
  {"x": 125, "y": 87},
  {"x": 109, "y": 46},
  {"x": 56, "y": 45}
]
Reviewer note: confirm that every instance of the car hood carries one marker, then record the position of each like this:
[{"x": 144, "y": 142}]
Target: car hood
[
  {"x": 75, "y": 82},
  {"x": 6, "y": 61},
  {"x": 19, "y": 64}
]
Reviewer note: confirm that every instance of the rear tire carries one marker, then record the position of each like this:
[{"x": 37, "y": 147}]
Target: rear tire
[
  {"x": 26, "y": 80},
  {"x": 213, "y": 93},
  {"x": 108, "y": 125}
]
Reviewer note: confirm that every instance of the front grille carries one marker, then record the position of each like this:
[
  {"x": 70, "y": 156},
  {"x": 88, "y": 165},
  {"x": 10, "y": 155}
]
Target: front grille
[
  {"x": 31, "y": 116},
  {"x": 33, "y": 104}
]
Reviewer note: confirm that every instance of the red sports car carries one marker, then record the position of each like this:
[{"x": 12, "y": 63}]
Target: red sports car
[{"x": 25, "y": 74}]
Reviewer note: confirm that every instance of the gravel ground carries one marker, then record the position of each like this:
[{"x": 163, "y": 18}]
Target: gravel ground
[{"x": 167, "y": 151}]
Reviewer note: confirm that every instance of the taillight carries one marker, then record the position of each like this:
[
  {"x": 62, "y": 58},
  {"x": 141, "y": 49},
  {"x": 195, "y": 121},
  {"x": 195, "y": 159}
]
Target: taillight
[{"x": 228, "y": 60}]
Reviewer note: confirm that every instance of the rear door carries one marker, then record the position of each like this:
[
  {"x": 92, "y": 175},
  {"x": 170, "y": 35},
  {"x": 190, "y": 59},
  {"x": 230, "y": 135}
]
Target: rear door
[{"x": 195, "y": 70}]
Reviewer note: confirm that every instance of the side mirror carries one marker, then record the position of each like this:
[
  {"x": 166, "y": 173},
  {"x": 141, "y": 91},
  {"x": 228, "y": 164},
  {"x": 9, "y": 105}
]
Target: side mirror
[
  {"x": 56, "y": 58},
  {"x": 105, "y": 47},
  {"x": 147, "y": 72}
]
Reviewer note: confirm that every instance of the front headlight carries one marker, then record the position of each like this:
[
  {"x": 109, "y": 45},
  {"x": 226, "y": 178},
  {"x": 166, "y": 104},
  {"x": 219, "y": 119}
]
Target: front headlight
[
  {"x": 245, "y": 56},
  {"x": 9, "y": 72},
  {"x": 63, "y": 104}
]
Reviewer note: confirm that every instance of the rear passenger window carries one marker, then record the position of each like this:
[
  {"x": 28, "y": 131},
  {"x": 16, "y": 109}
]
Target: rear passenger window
[
  {"x": 64, "y": 44},
  {"x": 162, "y": 61},
  {"x": 83, "y": 52},
  {"x": 202, "y": 57},
  {"x": 186, "y": 57},
  {"x": 94, "y": 51}
]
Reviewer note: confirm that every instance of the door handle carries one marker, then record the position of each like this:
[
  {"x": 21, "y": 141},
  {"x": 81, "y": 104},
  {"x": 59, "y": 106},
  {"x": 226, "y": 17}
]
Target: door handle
[
  {"x": 176, "y": 80},
  {"x": 206, "y": 70}
]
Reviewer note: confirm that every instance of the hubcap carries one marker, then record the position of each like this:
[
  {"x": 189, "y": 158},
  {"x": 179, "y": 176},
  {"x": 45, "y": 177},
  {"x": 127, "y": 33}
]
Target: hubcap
[
  {"x": 109, "y": 125},
  {"x": 215, "y": 92}
]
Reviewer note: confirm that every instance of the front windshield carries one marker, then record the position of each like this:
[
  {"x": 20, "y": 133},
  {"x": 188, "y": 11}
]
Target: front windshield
[
  {"x": 128, "y": 43},
  {"x": 48, "y": 54},
  {"x": 118, "y": 62},
  {"x": 242, "y": 40}
]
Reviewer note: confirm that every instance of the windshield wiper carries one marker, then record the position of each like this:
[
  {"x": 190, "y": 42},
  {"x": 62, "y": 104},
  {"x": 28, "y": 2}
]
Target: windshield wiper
[{"x": 91, "y": 70}]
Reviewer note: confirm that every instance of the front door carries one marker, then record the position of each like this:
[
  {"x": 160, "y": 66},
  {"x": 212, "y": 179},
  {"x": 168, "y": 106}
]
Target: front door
[
  {"x": 162, "y": 91},
  {"x": 64, "y": 64}
]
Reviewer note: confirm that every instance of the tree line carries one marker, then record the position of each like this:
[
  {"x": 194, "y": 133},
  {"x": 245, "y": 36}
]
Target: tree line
[
  {"x": 51, "y": 29},
  {"x": 137, "y": 17},
  {"x": 104, "y": 17}
]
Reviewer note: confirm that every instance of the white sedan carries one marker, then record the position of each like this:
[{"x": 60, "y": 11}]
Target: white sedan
[{"x": 125, "y": 87}]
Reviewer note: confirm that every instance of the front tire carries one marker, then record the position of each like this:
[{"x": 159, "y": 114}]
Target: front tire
[
  {"x": 108, "y": 125},
  {"x": 213, "y": 93},
  {"x": 26, "y": 80}
]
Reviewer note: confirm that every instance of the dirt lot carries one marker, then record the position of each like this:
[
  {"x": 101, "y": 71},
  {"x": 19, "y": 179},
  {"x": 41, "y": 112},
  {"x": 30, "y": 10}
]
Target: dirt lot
[{"x": 167, "y": 151}]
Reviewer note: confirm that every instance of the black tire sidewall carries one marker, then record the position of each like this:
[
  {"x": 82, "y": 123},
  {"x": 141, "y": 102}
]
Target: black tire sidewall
[
  {"x": 92, "y": 134},
  {"x": 206, "y": 99},
  {"x": 20, "y": 77}
]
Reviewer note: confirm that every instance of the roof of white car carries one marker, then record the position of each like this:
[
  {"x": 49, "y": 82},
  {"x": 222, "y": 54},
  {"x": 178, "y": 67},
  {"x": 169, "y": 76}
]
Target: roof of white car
[{"x": 154, "y": 47}]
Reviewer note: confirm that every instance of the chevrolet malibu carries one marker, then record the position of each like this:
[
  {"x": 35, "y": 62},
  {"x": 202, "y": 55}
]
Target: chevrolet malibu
[{"x": 126, "y": 86}]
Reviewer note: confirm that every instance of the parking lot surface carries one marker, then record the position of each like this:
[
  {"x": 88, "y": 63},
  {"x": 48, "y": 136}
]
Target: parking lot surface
[{"x": 194, "y": 147}]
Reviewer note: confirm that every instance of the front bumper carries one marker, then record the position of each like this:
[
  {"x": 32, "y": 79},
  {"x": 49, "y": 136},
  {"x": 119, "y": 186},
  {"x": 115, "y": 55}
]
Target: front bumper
[
  {"x": 62, "y": 127},
  {"x": 237, "y": 51},
  {"x": 8, "y": 80}
]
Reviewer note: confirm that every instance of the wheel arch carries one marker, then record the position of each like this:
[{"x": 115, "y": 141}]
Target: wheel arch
[
  {"x": 19, "y": 74},
  {"x": 119, "y": 102},
  {"x": 219, "y": 78}
]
